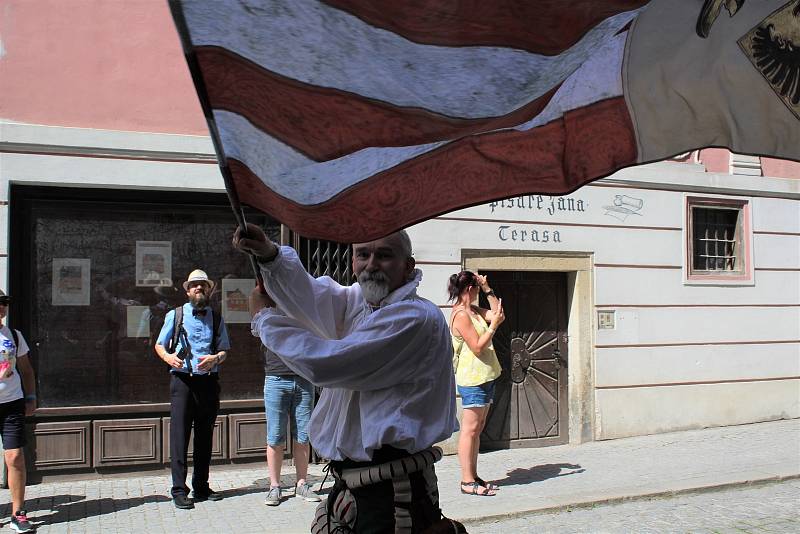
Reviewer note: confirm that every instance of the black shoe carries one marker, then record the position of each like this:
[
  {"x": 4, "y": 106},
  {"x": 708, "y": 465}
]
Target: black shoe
[
  {"x": 209, "y": 495},
  {"x": 183, "y": 502}
]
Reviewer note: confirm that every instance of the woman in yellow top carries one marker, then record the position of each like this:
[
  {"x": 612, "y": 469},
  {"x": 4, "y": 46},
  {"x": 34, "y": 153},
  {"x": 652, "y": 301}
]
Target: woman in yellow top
[{"x": 476, "y": 369}]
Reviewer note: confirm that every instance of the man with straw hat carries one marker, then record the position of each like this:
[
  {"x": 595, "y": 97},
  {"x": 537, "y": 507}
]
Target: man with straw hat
[{"x": 193, "y": 342}]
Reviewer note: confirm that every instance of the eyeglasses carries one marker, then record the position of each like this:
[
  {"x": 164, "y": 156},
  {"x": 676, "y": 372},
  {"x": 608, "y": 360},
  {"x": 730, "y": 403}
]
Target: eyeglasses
[{"x": 4, "y": 301}]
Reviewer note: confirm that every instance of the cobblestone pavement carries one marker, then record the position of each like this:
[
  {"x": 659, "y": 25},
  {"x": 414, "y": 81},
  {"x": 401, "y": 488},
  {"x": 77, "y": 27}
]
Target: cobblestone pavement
[
  {"x": 769, "y": 508},
  {"x": 142, "y": 505},
  {"x": 532, "y": 479}
]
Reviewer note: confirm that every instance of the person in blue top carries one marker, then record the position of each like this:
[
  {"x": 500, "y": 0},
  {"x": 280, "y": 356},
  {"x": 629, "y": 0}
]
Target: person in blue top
[{"x": 193, "y": 342}]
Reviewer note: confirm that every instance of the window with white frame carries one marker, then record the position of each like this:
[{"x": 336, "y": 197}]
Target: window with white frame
[{"x": 718, "y": 240}]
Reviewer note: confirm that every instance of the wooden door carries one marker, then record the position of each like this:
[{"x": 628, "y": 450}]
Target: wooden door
[{"x": 530, "y": 406}]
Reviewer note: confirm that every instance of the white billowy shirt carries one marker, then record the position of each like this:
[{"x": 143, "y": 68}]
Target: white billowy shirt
[{"x": 387, "y": 373}]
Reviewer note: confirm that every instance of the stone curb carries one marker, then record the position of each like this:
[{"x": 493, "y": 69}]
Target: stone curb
[{"x": 482, "y": 520}]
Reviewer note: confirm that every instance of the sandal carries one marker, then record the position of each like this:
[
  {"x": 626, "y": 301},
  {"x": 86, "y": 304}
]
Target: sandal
[
  {"x": 474, "y": 489},
  {"x": 488, "y": 485}
]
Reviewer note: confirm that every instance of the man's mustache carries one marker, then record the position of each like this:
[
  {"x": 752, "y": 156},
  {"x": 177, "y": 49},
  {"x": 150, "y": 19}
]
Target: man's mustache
[{"x": 377, "y": 276}]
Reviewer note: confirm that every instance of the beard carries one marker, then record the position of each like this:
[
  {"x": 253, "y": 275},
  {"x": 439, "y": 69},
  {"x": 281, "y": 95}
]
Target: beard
[
  {"x": 374, "y": 286},
  {"x": 199, "y": 301}
]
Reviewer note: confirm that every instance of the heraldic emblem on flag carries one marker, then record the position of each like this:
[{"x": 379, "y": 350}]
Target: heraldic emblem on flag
[{"x": 348, "y": 119}]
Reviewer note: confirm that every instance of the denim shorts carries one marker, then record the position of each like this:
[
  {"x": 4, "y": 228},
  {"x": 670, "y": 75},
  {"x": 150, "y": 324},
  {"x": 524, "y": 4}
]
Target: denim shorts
[
  {"x": 476, "y": 396},
  {"x": 287, "y": 397}
]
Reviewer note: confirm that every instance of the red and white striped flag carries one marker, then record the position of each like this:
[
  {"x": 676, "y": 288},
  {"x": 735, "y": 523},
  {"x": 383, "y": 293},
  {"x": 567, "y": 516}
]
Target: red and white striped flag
[{"x": 348, "y": 119}]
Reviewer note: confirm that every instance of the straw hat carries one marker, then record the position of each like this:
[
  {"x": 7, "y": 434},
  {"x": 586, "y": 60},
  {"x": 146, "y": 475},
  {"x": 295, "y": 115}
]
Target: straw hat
[{"x": 198, "y": 276}]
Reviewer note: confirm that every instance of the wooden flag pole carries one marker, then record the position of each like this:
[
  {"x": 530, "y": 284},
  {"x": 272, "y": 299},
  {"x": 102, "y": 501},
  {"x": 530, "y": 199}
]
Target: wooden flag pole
[{"x": 202, "y": 94}]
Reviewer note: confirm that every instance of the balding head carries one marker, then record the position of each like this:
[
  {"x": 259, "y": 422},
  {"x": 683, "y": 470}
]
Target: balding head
[{"x": 383, "y": 265}]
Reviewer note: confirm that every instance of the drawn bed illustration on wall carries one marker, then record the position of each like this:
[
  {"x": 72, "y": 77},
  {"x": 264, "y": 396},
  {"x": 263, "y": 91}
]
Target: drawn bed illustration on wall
[{"x": 624, "y": 206}]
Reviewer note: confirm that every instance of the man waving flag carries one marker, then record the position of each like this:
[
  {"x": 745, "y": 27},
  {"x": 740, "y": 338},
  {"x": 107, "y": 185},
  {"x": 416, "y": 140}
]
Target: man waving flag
[{"x": 349, "y": 119}]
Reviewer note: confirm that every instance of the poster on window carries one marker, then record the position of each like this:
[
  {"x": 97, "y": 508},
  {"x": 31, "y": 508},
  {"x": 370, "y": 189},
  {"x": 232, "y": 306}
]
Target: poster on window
[
  {"x": 71, "y": 278},
  {"x": 153, "y": 263},
  {"x": 235, "y": 292},
  {"x": 137, "y": 321}
]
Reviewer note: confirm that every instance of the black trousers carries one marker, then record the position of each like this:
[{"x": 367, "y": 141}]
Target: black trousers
[
  {"x": 194, "y": 401},
  {"x": 375, "y": 502}
]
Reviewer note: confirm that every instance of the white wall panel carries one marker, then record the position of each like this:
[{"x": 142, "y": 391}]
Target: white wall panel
[
  {"x": 665, "y": 286},
  {"x": 439, "y": 240},
  {"x": 434, "y": 282},
  {"x": 61, "y": 136},
  {"x": 776, "y": 215},
  {"x": 113, "y": 173},
  {"x": 4, "y": 216},
  {"x": 589, "y": 205},
  {"x": 637, "y": 411},
  {"x": 703, "y": 363},
  {"x": 777, "y": 251},
  {"x": 4, "y": 274},
  {"x": 701, "y": 325}
]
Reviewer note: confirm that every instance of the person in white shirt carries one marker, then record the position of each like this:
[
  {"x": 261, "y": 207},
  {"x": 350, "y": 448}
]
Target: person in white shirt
[
  {"x": 384, "y": 358},
  {"x": 17, "y": 399}
]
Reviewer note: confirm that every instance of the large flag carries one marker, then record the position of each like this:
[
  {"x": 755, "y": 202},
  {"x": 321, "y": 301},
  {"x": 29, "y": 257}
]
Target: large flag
[{"x": 348, "y": 119}]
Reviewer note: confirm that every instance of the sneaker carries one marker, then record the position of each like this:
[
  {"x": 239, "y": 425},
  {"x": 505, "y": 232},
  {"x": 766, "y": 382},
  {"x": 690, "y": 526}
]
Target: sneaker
[
  {"x": 20, "y": 523},
  {"x": 274, "y": 496},
  {"x": 304, "y": 490}
]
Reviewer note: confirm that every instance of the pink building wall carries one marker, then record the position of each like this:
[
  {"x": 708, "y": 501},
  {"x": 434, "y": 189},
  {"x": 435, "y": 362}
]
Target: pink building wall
[
  {"x": 718, "y": 160},
  {"x": 95, "y": 64},
  {"x": 780, "y": 168},
  {"x": 715, "y": 160}
]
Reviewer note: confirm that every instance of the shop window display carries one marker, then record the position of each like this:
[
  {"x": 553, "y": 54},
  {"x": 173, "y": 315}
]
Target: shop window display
[{"x": 101, "y": 276}]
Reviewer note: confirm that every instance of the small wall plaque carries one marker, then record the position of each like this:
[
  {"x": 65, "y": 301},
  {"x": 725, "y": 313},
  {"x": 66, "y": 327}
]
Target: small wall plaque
[{"x": 606, "y": 319}]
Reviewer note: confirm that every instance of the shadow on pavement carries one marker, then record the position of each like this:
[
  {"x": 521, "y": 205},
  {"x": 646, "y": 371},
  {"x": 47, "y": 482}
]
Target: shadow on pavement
[
  {"x": 519, "y": 476},
  {"x": 65, "y": 508}
]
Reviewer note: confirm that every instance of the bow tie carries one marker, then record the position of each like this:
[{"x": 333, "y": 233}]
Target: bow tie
[{"x": 201, "y": 313}]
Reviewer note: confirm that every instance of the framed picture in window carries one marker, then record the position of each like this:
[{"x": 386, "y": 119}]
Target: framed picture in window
[
  {"x": 153, "y": 263},
  {"x": 71, "y": 279},
  {"x": 235, "y": 293}
]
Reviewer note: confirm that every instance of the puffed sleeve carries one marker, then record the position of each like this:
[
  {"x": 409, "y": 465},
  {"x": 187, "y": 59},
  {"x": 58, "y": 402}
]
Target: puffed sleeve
[
  {"x": 319, "y": 305},
  {"x": 384, "y": 351}
]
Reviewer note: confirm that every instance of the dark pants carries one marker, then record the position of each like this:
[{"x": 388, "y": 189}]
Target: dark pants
[
  {"x": 194, "y": 400},
  {"x": 376, "y": 507},
  {"x": 375, "y": 503}
]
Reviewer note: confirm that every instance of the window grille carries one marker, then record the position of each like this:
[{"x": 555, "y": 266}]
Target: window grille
[
  {"x": 716, "y": 239},
  {"x": 327, "y": 258}
]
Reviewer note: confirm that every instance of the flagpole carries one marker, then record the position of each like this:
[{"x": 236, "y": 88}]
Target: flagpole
[{"x": 202, "y": 94}]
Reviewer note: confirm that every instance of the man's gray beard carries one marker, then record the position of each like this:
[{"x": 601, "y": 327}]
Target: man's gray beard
[
  {"x": 198, "y": 301},
  {"x": 374, "y": 286}
]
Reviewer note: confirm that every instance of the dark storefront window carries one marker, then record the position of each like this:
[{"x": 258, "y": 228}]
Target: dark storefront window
[{"x": 93, "y": 274}]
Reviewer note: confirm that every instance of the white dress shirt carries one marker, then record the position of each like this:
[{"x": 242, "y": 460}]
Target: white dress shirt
[{"x": 387, "y": 373}]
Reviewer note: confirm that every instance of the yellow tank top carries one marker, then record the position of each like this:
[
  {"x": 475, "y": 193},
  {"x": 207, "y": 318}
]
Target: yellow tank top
[{"x": 472, "y": 370}]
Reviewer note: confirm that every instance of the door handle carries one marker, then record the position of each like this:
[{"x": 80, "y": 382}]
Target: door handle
[{"x": 558, "y": 360}]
